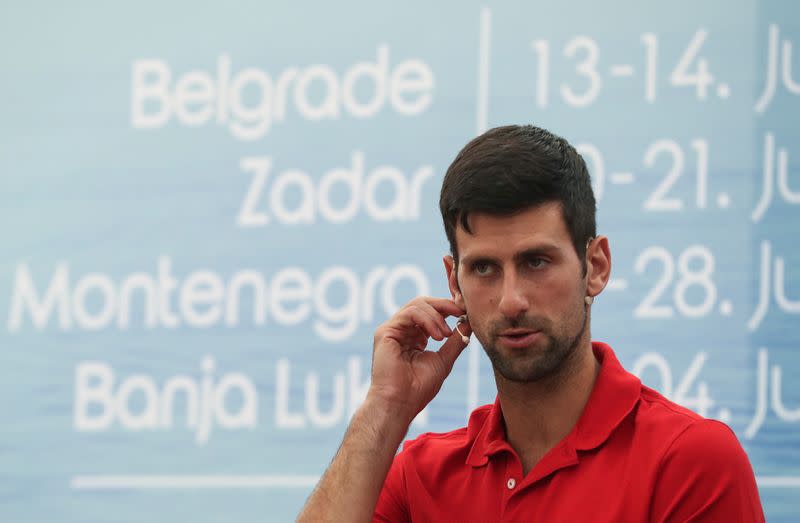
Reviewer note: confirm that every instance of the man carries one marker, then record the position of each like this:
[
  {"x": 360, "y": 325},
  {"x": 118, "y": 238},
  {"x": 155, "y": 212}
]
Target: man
[{"x": 572, "y": 436}]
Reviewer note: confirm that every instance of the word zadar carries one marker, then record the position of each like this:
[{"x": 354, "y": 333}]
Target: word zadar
[
  {"x": 99, "y": 401},
  {"x": 316, "y": 198}
]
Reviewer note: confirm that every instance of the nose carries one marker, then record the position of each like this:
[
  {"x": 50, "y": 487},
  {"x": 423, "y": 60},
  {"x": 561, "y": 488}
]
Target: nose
[{"x": 513, "y": 301}]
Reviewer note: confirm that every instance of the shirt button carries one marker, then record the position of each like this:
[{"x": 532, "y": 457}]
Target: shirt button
[{"x": 511, "y": 483}]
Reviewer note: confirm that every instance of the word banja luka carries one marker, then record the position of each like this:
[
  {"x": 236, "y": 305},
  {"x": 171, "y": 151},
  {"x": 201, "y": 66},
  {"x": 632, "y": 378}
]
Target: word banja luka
[
  {"x": 106, "y": 399},
  {"x": 335, "y": 301},
  {"x": 250, "y": 101}
]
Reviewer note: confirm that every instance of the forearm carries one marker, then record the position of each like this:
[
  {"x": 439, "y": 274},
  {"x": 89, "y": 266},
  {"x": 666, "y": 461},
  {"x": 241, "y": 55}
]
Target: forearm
[{"x": 349, "y": 489}]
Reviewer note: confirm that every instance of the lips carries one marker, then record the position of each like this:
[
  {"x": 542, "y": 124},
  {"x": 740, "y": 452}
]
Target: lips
[{"x": 518, "y": 338}]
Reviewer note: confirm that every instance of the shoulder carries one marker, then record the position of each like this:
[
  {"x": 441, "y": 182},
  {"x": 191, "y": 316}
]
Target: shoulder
[
  {"x": 435, "y": 440},
  {"x": 702, "y": 473},
  {"x": 430, "y": 458},
  {"x": 665, "y": 409},
  {"x": 679, "y": 430},
  {"x": 706, "y": 446},
  {"x": 436, "y": 443},
  {"x": 660, "y": 421},
  {"x": 432, "y": 450}
]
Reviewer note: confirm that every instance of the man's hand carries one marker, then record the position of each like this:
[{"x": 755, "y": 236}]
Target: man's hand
[
  {"x": 404, "y": 374},
  {"x": 405, "y": 378}
]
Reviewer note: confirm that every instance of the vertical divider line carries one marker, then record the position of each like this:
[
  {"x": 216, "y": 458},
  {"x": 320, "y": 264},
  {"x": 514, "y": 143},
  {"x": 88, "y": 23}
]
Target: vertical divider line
[
  {"x": 482, "y": 123},
  {"x": 473, "y": 376},
  {"x": 484, "y": 44}
]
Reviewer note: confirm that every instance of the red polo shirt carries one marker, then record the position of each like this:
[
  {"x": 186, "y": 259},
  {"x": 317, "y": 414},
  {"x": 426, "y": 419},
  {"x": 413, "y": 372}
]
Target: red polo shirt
[{"x": 633, "y": 456}]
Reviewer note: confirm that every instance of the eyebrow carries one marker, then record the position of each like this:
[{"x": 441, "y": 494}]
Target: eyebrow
[{"x": 531, "y": 252}]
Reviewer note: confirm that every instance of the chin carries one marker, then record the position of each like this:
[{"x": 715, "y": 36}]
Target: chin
[{"x": 525, "y": 369}]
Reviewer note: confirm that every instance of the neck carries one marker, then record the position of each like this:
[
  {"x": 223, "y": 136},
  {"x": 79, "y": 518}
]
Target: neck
[{"x": 540, "y": 414}]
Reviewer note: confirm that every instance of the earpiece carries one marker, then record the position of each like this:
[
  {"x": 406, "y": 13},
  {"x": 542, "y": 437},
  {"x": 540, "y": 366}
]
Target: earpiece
[{"x": 462, "y": 319}]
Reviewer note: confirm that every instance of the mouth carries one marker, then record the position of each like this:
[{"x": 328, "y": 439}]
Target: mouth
[{"x": 518, "y": 338}]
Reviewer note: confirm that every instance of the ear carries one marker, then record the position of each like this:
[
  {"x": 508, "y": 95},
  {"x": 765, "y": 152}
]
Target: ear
[
  {"x": 452, "y": 280},
  {"x": 598, "y": 265}
]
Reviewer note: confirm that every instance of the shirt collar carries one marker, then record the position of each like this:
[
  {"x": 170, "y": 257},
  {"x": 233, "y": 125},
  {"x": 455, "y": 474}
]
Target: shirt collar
[{"x": 615, "y": 393}]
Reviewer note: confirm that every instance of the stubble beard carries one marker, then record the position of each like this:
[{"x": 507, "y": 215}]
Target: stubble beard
[{"x": 534, "y": 364}]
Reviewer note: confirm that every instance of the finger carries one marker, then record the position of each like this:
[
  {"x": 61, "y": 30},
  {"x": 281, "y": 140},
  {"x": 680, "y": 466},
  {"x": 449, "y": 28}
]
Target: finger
[
  {"x": 417, "y": 316},
  {"x": 410, "y": 318},
  {"x": 445, "y": 306},
  {"x": 437, "y": 317},
  {"x": 454, "y": 346},
  {"x": 420, "y": 341}
]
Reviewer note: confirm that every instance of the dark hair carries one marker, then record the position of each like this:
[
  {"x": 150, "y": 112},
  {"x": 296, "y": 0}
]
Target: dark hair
[{"x": 512, "y": 168}]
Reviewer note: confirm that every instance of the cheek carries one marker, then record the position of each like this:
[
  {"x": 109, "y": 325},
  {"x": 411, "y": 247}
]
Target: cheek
[
  {"x": 479, "y": 299},
  {"x": 561, "y": 296},
  {"x": 479, "y": 306}
]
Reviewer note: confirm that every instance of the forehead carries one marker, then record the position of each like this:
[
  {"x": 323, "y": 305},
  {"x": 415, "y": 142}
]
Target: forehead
[{"x": 494, "y": 235}]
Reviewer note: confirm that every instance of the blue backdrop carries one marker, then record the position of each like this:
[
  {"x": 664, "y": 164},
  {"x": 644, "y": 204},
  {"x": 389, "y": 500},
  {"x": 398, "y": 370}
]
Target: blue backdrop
[{"x": 207, "y": 208}]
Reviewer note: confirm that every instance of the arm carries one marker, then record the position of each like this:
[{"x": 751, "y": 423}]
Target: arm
[
  {"x": 705, "y": 477},
  {"x": 405, "y": 378},
  {"x": 349, "y": 489}
]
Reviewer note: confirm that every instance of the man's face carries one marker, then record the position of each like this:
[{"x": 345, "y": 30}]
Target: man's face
[{"x": 523, "y": 288}]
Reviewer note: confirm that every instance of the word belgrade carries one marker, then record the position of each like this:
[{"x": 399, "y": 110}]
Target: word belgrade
[
  {"x": 316, "y": 92},
  {"x": 104, "y": 401},
  {"x": 337, "y": 301}
]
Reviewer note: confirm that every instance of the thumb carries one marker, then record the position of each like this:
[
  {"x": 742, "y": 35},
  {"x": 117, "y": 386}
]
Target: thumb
[{"x": 454, "y": 345}]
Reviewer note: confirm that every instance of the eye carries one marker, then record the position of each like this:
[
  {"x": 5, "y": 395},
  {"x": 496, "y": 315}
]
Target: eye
[
  {"x": 482, "y": 268},
  {"x": 537, "y": 263}
]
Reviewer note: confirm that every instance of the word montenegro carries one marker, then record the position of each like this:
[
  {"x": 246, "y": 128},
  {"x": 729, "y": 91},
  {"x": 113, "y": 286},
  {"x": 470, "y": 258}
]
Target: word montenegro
[
  {"x": 336, "y": 301},
  {"x": 250, "y": 101}
]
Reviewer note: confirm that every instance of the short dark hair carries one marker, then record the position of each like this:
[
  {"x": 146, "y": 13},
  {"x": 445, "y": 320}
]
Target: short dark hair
[{"x": 511, "y": 168}]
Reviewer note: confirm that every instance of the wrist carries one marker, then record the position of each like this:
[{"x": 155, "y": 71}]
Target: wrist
[{"x": 387, "y": 409}]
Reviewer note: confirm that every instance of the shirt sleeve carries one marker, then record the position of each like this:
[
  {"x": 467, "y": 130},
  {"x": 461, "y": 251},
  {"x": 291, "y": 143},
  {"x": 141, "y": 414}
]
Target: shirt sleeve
[
  {"x": 392, "y": 504},
  {"x": 705, "y": 477}
]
